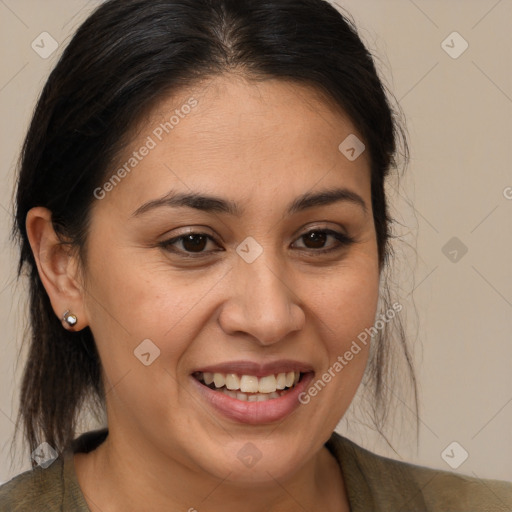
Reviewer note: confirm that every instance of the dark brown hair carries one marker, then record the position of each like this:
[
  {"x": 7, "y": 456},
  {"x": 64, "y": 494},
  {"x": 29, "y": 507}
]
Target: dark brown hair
[{"x": 125, "y": 57}]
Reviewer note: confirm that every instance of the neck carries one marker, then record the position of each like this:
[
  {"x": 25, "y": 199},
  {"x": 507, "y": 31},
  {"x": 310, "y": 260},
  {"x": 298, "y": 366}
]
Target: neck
[{"x": 114, "y": 478}]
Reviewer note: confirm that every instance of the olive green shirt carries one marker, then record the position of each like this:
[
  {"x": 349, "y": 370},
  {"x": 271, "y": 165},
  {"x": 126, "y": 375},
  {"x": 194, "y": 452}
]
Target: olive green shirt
[{"x": 373, "y": 483}]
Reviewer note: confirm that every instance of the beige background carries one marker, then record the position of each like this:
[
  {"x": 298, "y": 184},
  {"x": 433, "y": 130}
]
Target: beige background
[{"x": 459, "y": 114}]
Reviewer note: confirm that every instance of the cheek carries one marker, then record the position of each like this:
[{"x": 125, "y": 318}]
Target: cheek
[
  {"x": 346, "y": 301},
  {"x": 132, "y": 300},
  {"x": 141, "y": 322},
  {"x": 345, "y": 309}
]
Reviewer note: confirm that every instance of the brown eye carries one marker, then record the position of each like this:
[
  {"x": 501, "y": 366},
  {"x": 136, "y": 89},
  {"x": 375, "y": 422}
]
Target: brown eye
[
  {"x": 191, "y": 243},
  {"x": 316, "y": 239},
  {"x": 194, "y": 243}
]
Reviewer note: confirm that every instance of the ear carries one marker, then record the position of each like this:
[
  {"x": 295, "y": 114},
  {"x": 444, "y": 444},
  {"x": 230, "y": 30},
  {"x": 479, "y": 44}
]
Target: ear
[{"x": 57, "y": 266}]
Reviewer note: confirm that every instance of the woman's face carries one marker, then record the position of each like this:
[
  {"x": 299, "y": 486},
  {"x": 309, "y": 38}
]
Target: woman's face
[{"x": 260, "y": 289}]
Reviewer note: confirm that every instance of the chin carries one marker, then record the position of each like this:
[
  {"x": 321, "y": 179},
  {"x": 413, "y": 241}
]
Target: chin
[{"x": 251, "y": 463}]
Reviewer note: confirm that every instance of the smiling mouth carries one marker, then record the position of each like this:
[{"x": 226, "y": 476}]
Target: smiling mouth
[{"x": 249, "y": 388}]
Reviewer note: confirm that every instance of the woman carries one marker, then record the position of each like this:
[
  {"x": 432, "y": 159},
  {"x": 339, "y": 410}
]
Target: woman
[{"x": 201, "y": 211}]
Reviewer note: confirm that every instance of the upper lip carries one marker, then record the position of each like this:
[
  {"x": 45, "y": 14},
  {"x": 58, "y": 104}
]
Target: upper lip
[{"x": 257, "y": 369}]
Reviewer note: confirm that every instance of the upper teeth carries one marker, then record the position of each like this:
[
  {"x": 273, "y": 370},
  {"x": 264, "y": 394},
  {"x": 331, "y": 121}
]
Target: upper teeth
[{"x": 250, "y": 383}]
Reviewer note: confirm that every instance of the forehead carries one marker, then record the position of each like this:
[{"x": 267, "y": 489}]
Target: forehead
[{"x": 241, "y": 137}]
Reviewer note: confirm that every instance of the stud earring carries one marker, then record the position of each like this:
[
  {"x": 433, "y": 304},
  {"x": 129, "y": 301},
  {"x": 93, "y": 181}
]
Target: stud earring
[{"x": 69, "y": 318}]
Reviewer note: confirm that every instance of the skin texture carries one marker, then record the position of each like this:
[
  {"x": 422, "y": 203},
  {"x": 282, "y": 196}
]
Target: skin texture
[{"x": 260, "y": 144}]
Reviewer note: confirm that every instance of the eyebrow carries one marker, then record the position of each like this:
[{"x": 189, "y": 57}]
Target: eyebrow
[{"x": 213, "y": 204}]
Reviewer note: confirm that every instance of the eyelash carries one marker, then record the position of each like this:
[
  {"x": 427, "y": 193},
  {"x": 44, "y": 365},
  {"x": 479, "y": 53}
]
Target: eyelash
[{"x": 343, "y": 242}]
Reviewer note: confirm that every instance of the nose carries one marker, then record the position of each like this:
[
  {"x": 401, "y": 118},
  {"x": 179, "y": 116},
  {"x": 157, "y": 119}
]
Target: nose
[{"x": 261, "y": 304}]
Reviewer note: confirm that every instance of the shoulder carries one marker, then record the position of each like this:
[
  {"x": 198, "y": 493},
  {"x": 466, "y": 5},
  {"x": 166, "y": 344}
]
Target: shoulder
[
  {"x": 36, "y": 489},
  {"x": 448, "y": 491},
  {"x": 415, "y": 487},
  {"x": 53, "y": 488}
]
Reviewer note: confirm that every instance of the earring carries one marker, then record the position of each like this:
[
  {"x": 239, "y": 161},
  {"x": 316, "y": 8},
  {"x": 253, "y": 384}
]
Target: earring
[{"x": 69, "y": 318}]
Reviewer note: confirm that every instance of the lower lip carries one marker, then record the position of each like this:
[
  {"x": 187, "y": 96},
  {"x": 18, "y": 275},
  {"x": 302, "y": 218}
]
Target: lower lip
[{"x": 255, "y": 413}]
